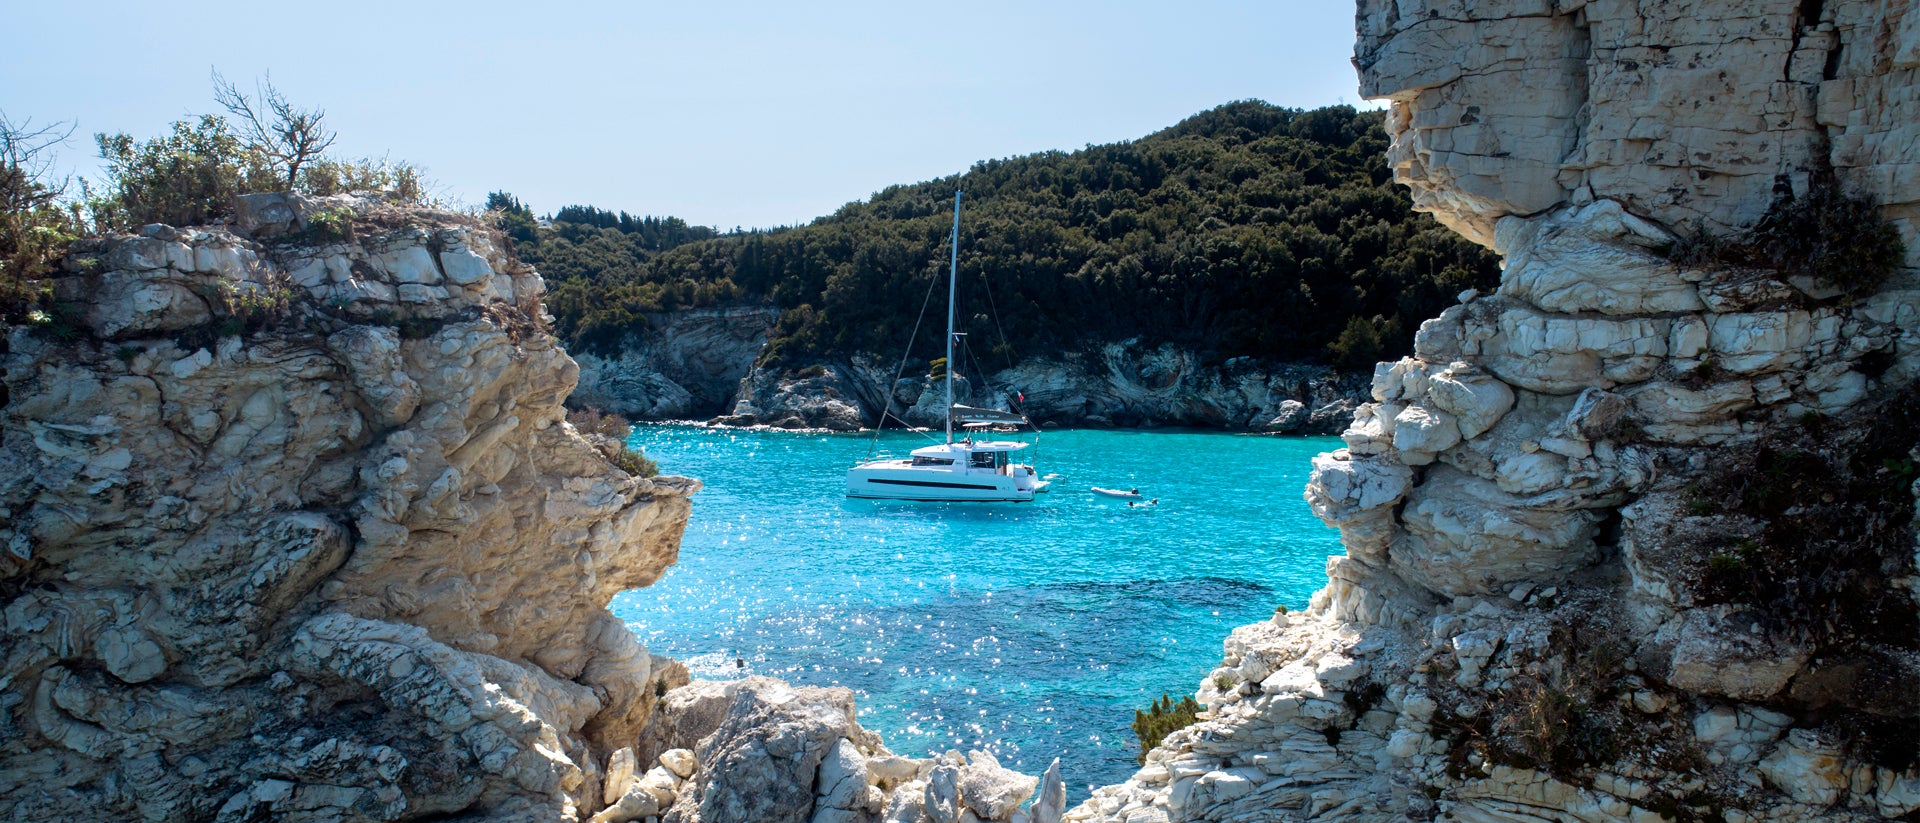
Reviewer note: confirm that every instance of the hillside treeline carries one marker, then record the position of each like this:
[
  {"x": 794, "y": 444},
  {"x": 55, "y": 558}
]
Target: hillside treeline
[{"x": 1245, "y": 230}]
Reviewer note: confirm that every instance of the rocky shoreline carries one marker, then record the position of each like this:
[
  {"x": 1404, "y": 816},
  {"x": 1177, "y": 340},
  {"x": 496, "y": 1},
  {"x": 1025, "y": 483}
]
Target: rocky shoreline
[{"x": 701, "y": 365}]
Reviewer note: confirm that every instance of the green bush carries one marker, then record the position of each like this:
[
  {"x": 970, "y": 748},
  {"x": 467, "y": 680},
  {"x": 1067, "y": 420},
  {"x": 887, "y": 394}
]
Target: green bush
[
  {"x": 191, "y": 175},
  {"x": 401, "y": 182},
  {"x": 634, "y": 463},
  {"x": 1162, "y": 717},
  {"x": 184, "y": 178},
  {"x": 331, "y": 225}
]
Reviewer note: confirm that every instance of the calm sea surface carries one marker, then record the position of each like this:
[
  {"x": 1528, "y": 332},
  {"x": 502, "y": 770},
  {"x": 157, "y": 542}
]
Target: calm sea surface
[{"x": 1032, "y": 629}]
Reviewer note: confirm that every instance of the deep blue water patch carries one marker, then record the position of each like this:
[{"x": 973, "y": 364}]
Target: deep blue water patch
[{"x": 1031, "y": 630}]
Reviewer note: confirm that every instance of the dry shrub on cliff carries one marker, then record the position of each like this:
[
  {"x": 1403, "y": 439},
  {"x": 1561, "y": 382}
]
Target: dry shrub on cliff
[
  {"x": 605, "y": 424},
  {"x": 1839, "y": 239},
  {"x": 1836, "y": 501},
  {"x": 608, "y": 432},
  {"x": 1833, "y": 501}
]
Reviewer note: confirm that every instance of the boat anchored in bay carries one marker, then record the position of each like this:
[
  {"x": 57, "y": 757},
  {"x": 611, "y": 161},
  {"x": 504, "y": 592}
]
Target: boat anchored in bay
[{"x": 972, "y": 469}]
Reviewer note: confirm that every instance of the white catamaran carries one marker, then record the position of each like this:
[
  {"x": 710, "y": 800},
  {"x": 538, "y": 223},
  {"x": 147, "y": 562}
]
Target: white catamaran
[{"x": 969, "y": 470}]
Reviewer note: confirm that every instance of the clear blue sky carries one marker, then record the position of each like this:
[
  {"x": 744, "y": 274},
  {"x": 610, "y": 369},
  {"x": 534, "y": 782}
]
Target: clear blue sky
[{"x": 723, "y": 113}]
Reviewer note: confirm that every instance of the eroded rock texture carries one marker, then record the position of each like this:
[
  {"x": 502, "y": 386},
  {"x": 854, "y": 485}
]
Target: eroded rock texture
[
  {"x": 295, "y": 529},
  {"x": 1564, "y": 595}
]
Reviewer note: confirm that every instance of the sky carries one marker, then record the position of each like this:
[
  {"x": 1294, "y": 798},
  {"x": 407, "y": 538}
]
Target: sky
[{"x": 723, "y": 113}]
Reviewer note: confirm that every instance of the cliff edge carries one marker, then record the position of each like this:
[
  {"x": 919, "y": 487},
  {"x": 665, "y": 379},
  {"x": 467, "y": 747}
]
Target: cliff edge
[
  {"x": 295, "y": 528},
  {"x": 1632, "y": 537}
]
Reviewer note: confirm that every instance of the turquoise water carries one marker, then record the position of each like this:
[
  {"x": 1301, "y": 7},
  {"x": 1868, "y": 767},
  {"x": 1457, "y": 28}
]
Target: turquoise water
[{"x": 1031, "y": 629}]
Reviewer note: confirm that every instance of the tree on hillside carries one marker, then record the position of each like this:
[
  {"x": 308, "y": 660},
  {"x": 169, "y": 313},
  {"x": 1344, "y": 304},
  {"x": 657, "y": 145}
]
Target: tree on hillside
[
  {"x": 512, "y": 216},
  {"x": 289, "y": 137},
  {"x": 1248, "y": 229}
]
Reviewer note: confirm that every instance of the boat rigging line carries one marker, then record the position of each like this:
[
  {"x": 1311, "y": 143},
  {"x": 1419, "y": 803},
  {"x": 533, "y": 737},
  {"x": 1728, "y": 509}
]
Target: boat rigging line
[{"x": 933, "y": 278}]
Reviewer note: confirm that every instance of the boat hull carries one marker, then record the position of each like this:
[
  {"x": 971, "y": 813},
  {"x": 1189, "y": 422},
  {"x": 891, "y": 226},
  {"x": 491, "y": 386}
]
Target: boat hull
[{"x": 900, "y": 482}]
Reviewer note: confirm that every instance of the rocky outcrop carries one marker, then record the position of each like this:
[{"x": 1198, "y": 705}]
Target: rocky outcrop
[
  {"x": 685, "y": 365},
  {"x": 295, "y": 529},
  {"x": 1548, "y": 608},
  {"x": 1124, "y": 384},
  {"x": 703, "y": 364},
  {"x": 758, "y": 751}
]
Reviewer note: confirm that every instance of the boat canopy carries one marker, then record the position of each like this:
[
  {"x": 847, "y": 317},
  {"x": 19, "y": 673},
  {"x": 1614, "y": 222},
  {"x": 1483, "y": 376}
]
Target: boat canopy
[
  {"x": 965, "y": 447},
  {"x": 970, "y": 414}
]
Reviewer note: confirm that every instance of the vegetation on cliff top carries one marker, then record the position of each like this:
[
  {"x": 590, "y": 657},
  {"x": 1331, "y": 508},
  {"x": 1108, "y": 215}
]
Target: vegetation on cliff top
[
  {"x": 188, "y": 176},
  {"x": 1245, "y": 230}
]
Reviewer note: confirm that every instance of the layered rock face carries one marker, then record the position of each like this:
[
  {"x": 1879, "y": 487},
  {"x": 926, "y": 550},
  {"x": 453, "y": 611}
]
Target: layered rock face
[
  {"x": 1558, "y": 601},
  {"x": 295, "y": 529}
]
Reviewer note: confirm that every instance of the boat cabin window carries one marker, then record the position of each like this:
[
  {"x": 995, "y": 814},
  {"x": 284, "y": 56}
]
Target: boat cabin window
[
  {"x": 932, "y": 461},
  {"x": 988, "y": 460}
]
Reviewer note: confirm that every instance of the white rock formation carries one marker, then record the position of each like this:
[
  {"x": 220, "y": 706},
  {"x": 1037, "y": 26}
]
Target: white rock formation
[
  {"x": 296, "y": 530},
  {"x": 1520, "y": 630}
]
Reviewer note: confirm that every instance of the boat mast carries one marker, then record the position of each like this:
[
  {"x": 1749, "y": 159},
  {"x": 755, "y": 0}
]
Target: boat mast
[{"x": 953, "y": 277}]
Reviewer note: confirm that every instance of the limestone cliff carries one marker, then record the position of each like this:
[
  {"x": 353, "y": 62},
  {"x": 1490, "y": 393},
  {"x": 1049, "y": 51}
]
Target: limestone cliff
[
  {"x": 1631, "y": 538},
  {"x": 295, "y": 529}
]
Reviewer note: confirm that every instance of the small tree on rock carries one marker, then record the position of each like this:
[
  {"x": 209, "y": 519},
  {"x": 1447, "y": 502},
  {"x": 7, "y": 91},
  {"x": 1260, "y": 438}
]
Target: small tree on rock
[{"x": 290, "y": 138}]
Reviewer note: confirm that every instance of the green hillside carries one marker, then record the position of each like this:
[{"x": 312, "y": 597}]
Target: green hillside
[{"x": 1245, "y": 230}]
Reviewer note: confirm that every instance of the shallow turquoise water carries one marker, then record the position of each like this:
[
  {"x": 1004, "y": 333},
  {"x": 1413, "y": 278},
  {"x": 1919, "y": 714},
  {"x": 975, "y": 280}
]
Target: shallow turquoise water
[{"x": 1032, "y": 630}]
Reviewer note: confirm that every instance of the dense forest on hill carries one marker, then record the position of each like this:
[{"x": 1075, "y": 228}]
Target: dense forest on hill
[{"x": 1245, "y": 230}]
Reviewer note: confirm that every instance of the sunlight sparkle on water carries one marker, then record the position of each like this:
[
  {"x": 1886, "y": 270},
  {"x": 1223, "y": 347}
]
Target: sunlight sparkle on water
[{"x": 1031, "y": 630}]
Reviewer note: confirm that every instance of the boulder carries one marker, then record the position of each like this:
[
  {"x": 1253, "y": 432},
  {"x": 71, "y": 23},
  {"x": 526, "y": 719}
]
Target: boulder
[
  {"x": 1289, "y": 418},
  {"x": 761, "y": 763},
  {"x": 1475, "y": 400}
]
